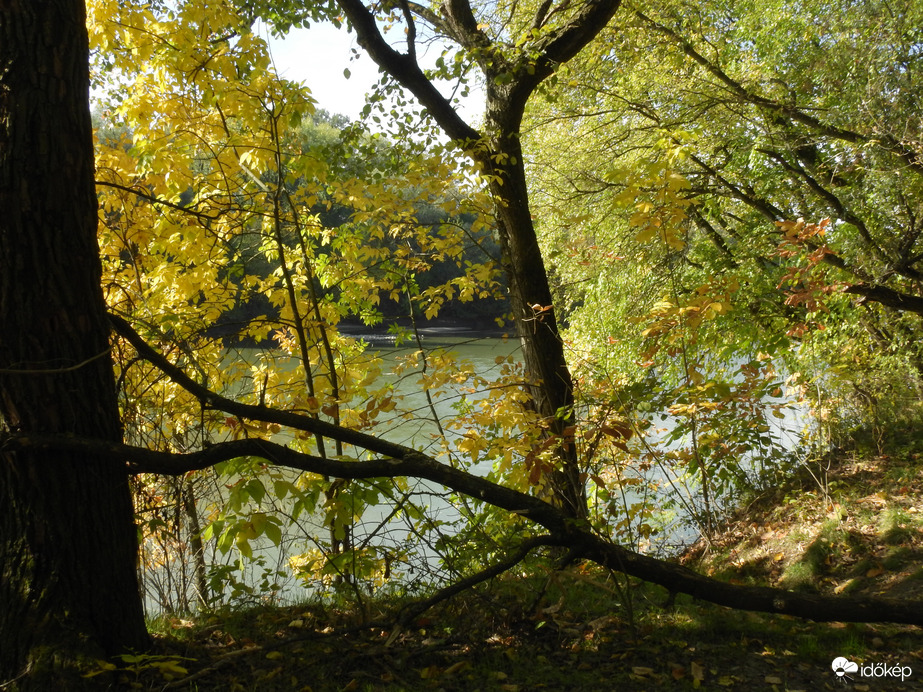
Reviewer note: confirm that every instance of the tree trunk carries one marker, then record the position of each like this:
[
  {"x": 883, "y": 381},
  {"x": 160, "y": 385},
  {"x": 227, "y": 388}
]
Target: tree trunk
[
  {"x": 511, "y": 76},
  {"x": 551, "y": 389},
  {"x": 68, "y": 543}
]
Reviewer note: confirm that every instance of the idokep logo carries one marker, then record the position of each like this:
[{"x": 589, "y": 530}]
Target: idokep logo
[
  {"x": 846, "y": 670},
  {"x": 843, "y": 667}
]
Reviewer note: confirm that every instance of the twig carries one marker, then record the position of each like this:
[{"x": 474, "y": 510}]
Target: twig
[
  {"x": 416, "y": 609},
  {"x": 50, "y": 371}
]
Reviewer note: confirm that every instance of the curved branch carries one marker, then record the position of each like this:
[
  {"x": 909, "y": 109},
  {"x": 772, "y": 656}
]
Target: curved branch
[
  {"x": 406, "y": 71},
  {"x": 215, "y": 401},
  {"x": 413, "y": 465},
  {"x": 564, "y": 531}
]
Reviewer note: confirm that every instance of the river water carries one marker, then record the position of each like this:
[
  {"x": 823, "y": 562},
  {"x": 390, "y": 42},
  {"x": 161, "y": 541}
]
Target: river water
[{"x": 392, "y": 531}]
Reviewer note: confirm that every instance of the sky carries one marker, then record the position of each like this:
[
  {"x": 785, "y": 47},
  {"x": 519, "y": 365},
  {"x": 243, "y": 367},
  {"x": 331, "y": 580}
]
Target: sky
[{"x": 318, "y": 57}]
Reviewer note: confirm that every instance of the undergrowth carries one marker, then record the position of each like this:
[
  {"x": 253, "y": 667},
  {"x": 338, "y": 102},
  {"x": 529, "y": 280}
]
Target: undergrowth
[{"x": 582, "y": 628}]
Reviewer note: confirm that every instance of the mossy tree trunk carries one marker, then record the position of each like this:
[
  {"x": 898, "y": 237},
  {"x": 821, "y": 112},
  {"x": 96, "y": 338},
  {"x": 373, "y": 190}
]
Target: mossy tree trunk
[{"x": 68, "y": 542}]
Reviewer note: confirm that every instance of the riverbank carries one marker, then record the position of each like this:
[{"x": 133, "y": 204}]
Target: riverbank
[
  {"x": 857, "y": 531},
  {"x": 434, "y": 329}
]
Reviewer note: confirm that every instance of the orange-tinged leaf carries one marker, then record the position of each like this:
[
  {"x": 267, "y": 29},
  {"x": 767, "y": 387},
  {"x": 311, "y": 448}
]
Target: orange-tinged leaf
[{"x": 617, "y": 430}]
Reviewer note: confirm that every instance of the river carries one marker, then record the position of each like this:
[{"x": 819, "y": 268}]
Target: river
[{"x": 391, "y": 531}]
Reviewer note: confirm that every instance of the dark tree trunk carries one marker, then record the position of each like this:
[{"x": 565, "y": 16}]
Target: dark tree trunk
[{"x": 68, "y": 543}]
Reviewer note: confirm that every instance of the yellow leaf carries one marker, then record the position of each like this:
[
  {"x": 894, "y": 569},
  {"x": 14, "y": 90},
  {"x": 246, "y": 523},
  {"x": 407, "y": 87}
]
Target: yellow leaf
[
  {"x": 698, "y": 672},
  {"x": 430, "y": 672},
  {"x": 455, "y": 667}
]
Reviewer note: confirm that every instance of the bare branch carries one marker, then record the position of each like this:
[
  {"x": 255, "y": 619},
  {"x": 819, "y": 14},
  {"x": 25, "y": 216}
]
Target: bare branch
[
  {"x": 416, "y": 609},
  {"x": 582, "y": 542}
]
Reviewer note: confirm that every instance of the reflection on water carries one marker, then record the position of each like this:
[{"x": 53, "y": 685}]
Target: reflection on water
[{"x": 478, "y": 355}]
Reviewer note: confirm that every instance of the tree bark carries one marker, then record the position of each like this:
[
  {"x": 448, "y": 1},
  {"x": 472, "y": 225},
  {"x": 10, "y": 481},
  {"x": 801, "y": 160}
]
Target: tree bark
[
  {"x": 904, "y": 302},
  {"x": 68, "y": 543}
]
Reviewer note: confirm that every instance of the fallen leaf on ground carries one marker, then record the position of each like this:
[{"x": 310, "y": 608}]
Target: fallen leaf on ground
[
  {"x": 455, "y": 667},
  {"x": 698, "y": 672}
]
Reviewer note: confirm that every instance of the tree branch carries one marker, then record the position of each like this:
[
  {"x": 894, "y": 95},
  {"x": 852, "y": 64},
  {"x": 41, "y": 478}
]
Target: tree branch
[
  {"x": 406, "y": 71},
  {"x": 465, "y": 30},
  {"x": 162, "y": 202},
  {"x": 413, "y": 465},
  {"x": 416, "y": 609},
  {"x": 411, "y": 30},
  {"x": 831, "y": 199},
  {"x": 908, "y": 155},
  {"x": 212, "y": 400},
  {"x": 555, "y": 48},
  {"x": 762, "y": 599},
  {"x": 888, "y": 297},
  {"x": 564, "y": 531},
  {"x": 562, "y": 44}
]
